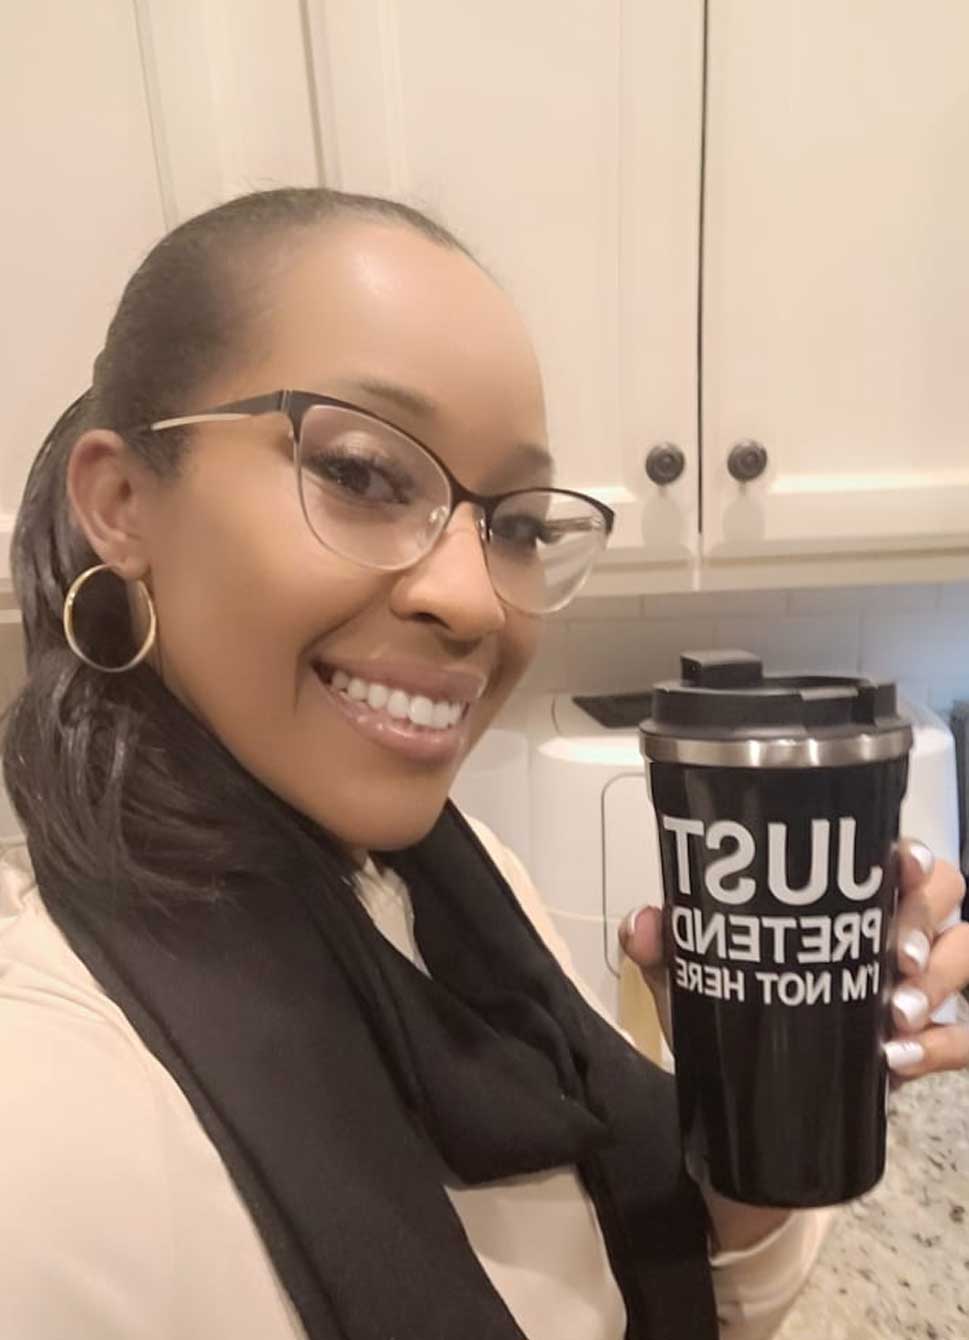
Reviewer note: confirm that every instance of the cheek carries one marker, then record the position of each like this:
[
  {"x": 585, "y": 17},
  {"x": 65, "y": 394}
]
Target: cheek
[{"x": 240, "y": 598}]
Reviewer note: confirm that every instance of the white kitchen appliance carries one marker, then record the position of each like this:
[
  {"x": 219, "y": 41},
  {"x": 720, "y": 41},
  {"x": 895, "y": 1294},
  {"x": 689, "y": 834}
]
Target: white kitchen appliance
[{"x": 593, "y": 850}]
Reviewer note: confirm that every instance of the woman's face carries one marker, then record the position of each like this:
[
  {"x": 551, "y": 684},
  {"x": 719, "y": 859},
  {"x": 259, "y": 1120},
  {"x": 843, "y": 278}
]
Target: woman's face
[{"x": 255, "y": 615}]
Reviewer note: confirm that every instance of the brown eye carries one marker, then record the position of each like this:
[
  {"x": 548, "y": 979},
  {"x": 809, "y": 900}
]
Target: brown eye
[{"x": 362, "y": 476}]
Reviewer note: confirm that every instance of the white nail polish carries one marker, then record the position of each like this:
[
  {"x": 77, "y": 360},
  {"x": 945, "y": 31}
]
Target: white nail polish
[
  {"x": 924, "y": 857},
  {"x": 916, "y": 946},
  {"x": 628, "y": 927},
  {"x": 913, "y": 1004},
  {"x": 902, "y": 1055}
]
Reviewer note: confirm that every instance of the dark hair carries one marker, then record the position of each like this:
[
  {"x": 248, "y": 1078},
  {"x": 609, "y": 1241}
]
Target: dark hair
[{"x": 117, "y": 785}]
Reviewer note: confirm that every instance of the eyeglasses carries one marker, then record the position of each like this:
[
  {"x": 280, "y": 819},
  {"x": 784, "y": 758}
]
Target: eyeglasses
[{"x": 377, "y": 496}]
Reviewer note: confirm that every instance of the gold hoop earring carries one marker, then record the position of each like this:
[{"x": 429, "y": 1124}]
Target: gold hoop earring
[{"x": 72, "y": 641}]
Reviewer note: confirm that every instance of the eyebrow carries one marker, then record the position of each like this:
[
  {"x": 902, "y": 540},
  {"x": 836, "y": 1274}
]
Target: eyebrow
[
  {"x": 528, "y": 456},
  {"x": 404, "y": 397}
]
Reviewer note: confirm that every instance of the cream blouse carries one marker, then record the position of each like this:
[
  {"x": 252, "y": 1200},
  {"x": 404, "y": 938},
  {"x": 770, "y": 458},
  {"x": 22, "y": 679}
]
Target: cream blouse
[{"x": 118, "y": 1220}]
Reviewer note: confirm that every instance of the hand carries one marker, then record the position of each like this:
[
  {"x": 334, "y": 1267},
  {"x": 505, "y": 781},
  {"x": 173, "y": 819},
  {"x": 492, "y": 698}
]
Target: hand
[
  {"x": 734, "y": 1226},
  {"x": 933, "y": 963}
]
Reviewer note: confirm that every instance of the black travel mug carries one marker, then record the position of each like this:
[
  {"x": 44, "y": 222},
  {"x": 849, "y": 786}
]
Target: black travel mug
[{"x": 777, "y": 803}]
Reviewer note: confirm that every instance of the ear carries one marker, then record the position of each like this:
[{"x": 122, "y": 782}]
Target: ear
[{"x": 108, "y": 486}]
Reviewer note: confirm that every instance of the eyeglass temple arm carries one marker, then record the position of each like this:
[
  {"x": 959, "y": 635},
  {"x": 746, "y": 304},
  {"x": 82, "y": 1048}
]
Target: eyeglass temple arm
[{"x": 238, "y": 409}]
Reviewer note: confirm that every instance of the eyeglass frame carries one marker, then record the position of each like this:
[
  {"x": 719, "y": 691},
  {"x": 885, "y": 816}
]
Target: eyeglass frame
[{"x": 295, "y": 404}]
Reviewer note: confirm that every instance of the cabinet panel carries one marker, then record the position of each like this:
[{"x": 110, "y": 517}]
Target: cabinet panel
[
  {"x": 80, "y": 208},
  {"x": 836, "y": 277},
  {"x": 560, "y": 140}
]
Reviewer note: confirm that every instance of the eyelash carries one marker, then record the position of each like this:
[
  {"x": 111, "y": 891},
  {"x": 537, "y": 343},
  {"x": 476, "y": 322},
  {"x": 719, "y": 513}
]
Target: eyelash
[{"x": 402, "y": 485}]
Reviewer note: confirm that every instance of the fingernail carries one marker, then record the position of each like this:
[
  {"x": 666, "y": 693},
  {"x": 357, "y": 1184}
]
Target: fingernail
[
  {"x": 924, "y": 857},
  {"x": 903, "y": 1055},
  {"x": 912, "y": 1004},
  {"x": 628, "y": 927},
  {"x": 916, "y": 946}
]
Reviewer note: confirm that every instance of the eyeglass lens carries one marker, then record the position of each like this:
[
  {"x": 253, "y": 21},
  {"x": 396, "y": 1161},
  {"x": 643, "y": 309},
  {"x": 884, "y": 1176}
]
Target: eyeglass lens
[{"x": 371, "y": 494}]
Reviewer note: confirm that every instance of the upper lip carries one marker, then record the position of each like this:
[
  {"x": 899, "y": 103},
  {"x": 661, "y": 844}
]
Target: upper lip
[{"x": 435, "y": 682}]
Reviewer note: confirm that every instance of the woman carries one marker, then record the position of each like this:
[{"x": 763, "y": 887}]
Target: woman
[{"x": 288, "y": 1048}]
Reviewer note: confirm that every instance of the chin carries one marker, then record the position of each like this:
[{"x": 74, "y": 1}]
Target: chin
[{"x": 388, "y": 827}]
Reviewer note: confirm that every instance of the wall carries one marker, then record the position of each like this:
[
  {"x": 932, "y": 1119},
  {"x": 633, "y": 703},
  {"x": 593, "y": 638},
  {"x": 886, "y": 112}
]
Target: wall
[{"x": 917, "y": 635}]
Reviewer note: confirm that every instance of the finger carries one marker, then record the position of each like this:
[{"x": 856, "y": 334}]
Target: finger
[
  {"x": 947, "y": 972},
  {"x": 945, "y": 891},
  {"x": 943, "y": 885},
  {"x": 942, "y": 1048},
  {"x": 914, "y": 927},
  {"x": 930, "y": 893},
  {"x": 916, "y": 862},
  {"x": 641, "y": 937}
]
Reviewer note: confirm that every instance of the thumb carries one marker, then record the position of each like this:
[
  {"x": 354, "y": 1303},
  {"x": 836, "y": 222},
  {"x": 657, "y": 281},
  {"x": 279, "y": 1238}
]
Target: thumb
[{"x": 641, "y": 938}]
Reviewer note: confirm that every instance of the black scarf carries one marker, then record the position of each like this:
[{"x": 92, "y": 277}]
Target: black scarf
[{"x": 333, "y": 1076}]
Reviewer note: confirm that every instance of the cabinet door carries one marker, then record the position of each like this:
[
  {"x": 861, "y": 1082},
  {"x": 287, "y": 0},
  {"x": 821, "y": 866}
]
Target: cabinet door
[
  {"x": 116, "y": 121},
  {"x": 560, "y": 140},
  {"x": 81, "y": 205},
  {"x": 836, "y": 275}
]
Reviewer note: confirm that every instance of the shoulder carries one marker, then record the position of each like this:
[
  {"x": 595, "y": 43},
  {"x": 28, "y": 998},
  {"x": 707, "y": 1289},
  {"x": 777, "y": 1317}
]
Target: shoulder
[
  {"x": 70, "y": 1062},
  {"x": 83, "y": 1211}
]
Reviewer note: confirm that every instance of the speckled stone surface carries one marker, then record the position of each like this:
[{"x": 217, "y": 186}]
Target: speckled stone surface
[{"x": 896, "y": 1262}]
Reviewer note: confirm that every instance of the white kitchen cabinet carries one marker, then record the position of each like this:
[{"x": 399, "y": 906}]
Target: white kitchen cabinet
[
  {"x": 836, "y": 276},
  {"x": 560, "y": 140},
  {"x": 563, "y": 142},
  {"x": 828, "y": 289},
  {"x": 118, "y": 119},
  {"x": 81, "y": 204}
]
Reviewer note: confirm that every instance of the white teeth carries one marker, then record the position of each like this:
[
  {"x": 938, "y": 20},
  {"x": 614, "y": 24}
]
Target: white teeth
[
  {"x": 421, "y": 711},
  {"x": 377, "y": 696},
  {"x": 418, "y": 709},
  {"x": 398, "y": 704}
]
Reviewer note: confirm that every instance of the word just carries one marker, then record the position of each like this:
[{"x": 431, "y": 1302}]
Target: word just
[{"x": 743, "y": 851}]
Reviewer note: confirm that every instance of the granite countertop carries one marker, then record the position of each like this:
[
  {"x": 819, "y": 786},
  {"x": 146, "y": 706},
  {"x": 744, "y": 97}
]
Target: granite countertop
[{"x": 896, "y": 1262}]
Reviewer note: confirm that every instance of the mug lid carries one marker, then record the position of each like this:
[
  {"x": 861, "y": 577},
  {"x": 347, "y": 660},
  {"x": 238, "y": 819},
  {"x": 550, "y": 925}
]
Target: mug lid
[{"x": 725, "y": 710}]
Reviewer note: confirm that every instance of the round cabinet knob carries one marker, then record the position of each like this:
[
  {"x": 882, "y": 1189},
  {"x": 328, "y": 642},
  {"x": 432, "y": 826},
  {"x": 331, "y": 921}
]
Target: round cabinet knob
[
  {"x": 747, "y": 461},
  {"x": 665, "y": 463}
]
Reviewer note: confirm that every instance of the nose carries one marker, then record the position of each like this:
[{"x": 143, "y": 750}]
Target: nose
[{"x": 451, "y": 584}]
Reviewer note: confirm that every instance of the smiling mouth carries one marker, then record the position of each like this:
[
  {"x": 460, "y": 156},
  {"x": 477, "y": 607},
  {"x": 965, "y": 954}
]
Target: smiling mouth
[{"x": 407, "y": 711}]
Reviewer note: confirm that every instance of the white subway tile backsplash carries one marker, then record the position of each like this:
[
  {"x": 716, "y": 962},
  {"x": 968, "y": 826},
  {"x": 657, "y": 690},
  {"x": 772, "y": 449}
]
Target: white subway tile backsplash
[
  {"x": 549, "y": 671},
  {"x": 859, "y": 599},
  {"x": 916, "y": 635},
  {"x": 795, "y": 645},
  {"x": 955, "y": 596},
  {"x": 928, "y": 645},
  {"x": 743, "y": 633},
  {"x": 597, "y": 608},
  {"x": 617, "y": 657},
  {"x": 946, "y": 690},
  {"x": 715, "y": 604}
]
